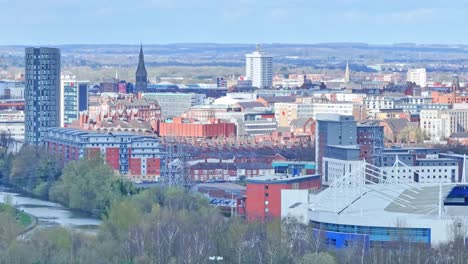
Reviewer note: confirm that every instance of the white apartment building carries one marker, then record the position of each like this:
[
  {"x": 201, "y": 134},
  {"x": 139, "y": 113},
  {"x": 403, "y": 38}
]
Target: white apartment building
[
  {"x": 339, "y": 97},
  {"x": 11, "y": 89},
  {"x": 259, "y": 69},
  {"x": 12, "y": 123},
  {"x": 440, "y": 124},
  {"x": 287, "y": 112},
  {"x": 375, "y": 103},
  {"x": 73, "y": 98},
  {"x": 333, "y": 169},
  {"x": 417, "y": 76},
  {"x": 342, "y": 108},
  {"x": 426, "y": 171},
  {"x": 175, "y": 104}
]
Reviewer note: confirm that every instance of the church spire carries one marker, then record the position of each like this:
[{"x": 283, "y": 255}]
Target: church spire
[
  {"x": 141, "y": 75},
  {"x": 347, "y": 78}
]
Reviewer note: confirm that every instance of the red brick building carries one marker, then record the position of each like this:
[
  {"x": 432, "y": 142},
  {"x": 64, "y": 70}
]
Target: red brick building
[
  {"x": 448, "y": 98},
  {"x": 459, "y": 138},
  {"x": 181, "y": 127},
  {"x": 123, "y": 113},
  {"x": 205, "y": 171},
  {"x": 137, "y": 157},
  {"x": 264, "y": 194}
]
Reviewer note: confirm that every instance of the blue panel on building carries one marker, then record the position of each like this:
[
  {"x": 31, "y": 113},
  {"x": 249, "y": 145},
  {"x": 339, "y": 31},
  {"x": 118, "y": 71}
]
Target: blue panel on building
[{"x": 343, "y": 240}]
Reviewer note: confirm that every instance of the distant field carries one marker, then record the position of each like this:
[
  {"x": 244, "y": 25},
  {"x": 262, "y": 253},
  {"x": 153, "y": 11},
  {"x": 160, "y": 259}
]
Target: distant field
[{"x": 207, "y": 60}]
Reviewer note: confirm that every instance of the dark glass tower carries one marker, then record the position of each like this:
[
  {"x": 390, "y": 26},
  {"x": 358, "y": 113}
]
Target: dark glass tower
[
  {"x": 42, "y": 93},
  {"x": 141, "y": 75}
]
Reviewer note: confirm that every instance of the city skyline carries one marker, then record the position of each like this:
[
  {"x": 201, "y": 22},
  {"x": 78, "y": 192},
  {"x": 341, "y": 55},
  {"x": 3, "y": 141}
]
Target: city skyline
[{"x": 194, "y": 21}]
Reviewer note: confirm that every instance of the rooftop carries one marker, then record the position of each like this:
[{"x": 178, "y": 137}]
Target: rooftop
[
  {"x": 344, "y": 146},
  {"x": 281, "y": 179},
  {"x": 388, "y": 205},
  {"x": 226, "y": 186}
]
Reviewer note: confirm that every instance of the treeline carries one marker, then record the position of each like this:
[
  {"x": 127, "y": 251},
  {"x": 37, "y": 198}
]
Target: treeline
[
  {"x": 167, "y": 225},
  {"x": 88, "y": 185},
  {"x": 172, "y": 226}
]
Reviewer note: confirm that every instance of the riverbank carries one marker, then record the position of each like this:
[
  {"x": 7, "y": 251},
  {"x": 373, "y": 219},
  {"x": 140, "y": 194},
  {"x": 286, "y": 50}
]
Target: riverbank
[
  {"x": 26, "y": 221},
  {"x": 48, "y": 214}
]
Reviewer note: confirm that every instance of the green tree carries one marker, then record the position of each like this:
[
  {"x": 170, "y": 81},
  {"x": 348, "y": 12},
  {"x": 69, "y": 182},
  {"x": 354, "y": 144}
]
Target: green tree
[
  {"x": 88, "y": 185},
  {"x": 32, "y": 166}
]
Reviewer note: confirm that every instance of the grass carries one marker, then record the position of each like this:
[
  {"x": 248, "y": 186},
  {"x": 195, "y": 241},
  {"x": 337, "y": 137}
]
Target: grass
[{"x": 22, "y": 218}]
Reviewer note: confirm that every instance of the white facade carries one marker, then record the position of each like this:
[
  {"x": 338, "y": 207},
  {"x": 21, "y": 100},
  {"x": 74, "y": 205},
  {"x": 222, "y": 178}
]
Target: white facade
[
  {"x": 440, "y": 124},
  {"x": 12, "y": 123},
  {"x": 287, "y": 112},
  {"x": 375, "y": 103},
  {"x": 340, "y": 108},
  {"x": 340, "y": 97},
  {"x": 259, "y": 69},
  {"x": 295, "y": 204},
  {"x": 175, "y": 104},
  {"x": 10, "y": 89},
  {"x": 424, "y": 174},
  {"x": 69, "y": 98},
  {"x": 334, "y": 169},
  {"x": 417, "y": 76}
]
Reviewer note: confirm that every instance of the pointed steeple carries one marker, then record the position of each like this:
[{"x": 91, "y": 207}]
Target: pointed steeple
[
  {"x": 141, "y": 75},
  {"x": 347, "y": 78},
  {"x": 141, "y": 60}
]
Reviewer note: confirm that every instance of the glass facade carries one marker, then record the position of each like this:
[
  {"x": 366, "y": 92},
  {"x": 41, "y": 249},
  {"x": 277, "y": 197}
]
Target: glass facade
[
  {"x": 42, "y": 93},
  {"x": 70, "y": 97},
  {"x": 379, "y": 233}
]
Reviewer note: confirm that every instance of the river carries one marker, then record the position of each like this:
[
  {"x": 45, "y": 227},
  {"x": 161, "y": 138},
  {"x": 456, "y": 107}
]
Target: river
[{"x": 51, "y": 214}]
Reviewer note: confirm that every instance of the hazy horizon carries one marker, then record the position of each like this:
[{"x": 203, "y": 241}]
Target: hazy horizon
[{"x": 240, "y": 44}]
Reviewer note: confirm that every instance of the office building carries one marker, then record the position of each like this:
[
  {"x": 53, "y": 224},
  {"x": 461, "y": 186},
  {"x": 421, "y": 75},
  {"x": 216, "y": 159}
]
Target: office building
[
  {"x": 285, "y": 113},
  {"x": 333, "y": 130},
  {"x": 259, "y": 69},
  {"x": 12, "y": 125},
  {"x": 141, "y": 76},
  {"x": 370, "y": 138},
  {"x": 175, "y": 104},
  {"x": 42, "y": 108},
  {"x": 340, "y": 160},
  {"x": 74, "y": 98},
  {"x": 417, "y": 76},
  {"x": 441, "y": 124},
  {"x": 11, "y": 89}
]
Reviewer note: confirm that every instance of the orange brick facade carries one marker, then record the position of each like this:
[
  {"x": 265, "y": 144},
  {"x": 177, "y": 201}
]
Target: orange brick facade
[
  {"x": 137, "y": 157},
  {"x": 188, "y": 128},
  {"x": 264, "y": 198},
  {"x": 447, "y": 98}
]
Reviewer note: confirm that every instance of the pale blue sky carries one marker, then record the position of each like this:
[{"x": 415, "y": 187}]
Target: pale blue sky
[{"x": 34, "y": 22}]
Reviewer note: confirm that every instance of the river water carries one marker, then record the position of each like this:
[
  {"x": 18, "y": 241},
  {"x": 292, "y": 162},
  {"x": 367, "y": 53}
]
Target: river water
[{"x": 51, "y": 214}]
